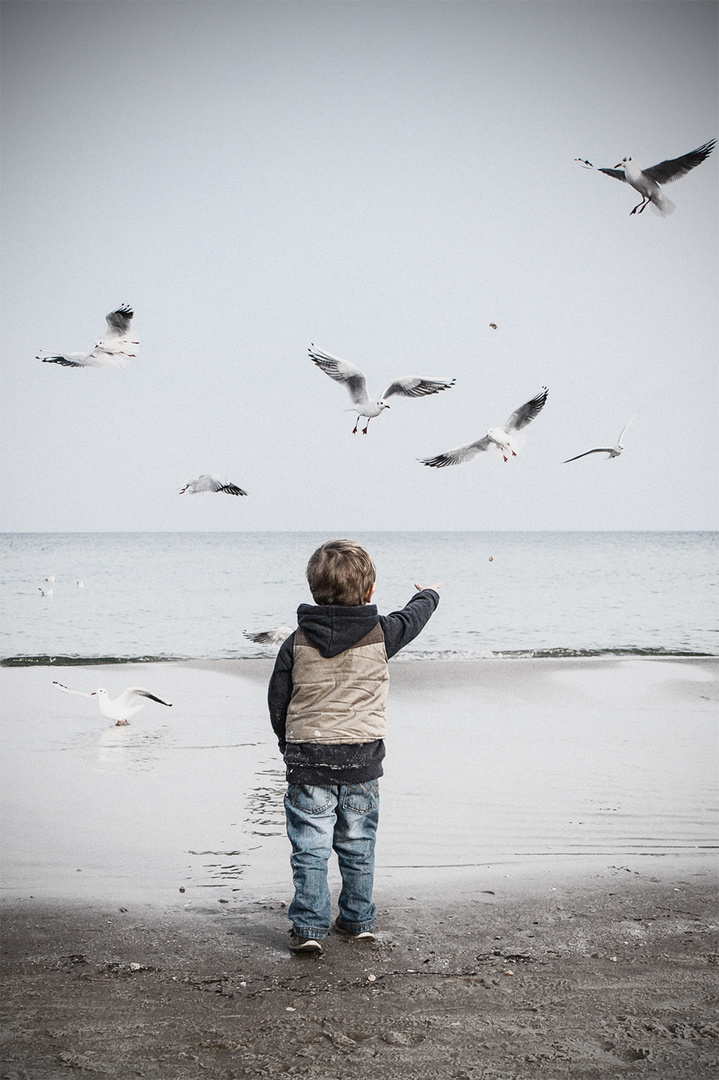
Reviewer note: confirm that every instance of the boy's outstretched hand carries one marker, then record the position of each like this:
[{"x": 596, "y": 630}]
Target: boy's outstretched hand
[{"x": 437, "y": 585}]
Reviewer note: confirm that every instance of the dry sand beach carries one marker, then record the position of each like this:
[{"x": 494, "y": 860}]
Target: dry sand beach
[{"x": 546, "y": 879}]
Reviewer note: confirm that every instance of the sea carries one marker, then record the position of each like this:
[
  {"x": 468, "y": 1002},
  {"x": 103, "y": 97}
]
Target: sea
[{"x": 79, "y": 598}]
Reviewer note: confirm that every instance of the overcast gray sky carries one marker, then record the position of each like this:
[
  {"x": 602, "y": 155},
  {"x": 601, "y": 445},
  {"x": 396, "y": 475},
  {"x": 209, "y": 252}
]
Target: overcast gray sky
[{"x": 384, "y": 180}]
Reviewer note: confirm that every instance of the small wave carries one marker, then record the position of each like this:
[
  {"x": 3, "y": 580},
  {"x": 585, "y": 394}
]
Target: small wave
[
  {"x": 541, "y": 654},
  {"x": 547, "y": 654},
  {"x": 83, "y": 661},
  {"x": 404, "y": 657}
]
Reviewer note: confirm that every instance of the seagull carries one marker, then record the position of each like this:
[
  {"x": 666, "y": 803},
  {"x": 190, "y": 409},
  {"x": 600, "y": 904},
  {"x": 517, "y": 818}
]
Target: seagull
[
  {"x": 121, "y": 707},
  {"x": 647, "y": 181},
  {"x": 493, "y": 325},
  {"x": 344, "y": 372},
  {"x": 497, "y": 436},
  {"x": 211, "y": 482},
  {"x": 115, "y": 349},
  {"x": 46, "y": 592},
  {"x": 613, "y": 451},
  {"x": 270, "y": 637}
]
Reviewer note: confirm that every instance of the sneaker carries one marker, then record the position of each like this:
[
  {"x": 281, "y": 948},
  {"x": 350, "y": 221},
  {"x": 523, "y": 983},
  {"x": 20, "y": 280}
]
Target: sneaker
[
  {"x": 304, "y": 944},
  {"x": 364, "y": 935}
]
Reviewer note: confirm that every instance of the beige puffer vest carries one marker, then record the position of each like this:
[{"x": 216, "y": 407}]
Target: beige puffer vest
[{"x": 339, "y": 699}]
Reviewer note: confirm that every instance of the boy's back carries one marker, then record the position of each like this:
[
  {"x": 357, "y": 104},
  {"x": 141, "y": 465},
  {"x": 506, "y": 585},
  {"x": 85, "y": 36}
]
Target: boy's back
[{"x": 328, "y": 691}]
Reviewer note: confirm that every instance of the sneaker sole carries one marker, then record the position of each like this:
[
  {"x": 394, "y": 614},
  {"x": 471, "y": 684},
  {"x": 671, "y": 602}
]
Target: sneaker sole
[
  {"x": 365, "y": 935},
  {"x": 310, "y": 946}
]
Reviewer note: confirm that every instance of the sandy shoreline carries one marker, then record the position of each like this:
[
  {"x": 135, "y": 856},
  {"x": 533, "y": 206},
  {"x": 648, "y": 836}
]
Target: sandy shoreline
[
  {"x": 501, "y": 770},
  {"x": 546, "y": 880}
]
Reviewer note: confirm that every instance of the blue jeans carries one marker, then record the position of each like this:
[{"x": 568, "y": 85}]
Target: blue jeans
[{"x": 343, "y": 817}]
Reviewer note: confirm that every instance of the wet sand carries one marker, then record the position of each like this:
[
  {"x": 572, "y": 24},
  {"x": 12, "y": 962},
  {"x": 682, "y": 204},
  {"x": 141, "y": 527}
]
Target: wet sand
[
  {"x": 508, "y": 769},
  {"x": 546, "y": 879},
  {"x": 604, "y": 980}
]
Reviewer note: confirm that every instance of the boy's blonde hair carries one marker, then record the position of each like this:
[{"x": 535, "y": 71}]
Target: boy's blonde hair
[{"x": 340, "y": 572}]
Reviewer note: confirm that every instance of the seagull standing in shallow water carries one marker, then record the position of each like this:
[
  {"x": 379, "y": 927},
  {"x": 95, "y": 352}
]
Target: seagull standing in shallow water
[
  {"x": 344, "y": 372},
  {"x": 497, "y": 436},
  {"x": 613, "y": 451},
  {"x": 115, "y": 349},
  {"x": 211, "y": 482},
  {"x": 120, "y": 708},
  {"x": 647, "y": 181}
]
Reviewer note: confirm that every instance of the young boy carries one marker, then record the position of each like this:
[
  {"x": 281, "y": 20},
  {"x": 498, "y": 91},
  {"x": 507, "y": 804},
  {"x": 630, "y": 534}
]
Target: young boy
[{"x": 327, "y": 700}]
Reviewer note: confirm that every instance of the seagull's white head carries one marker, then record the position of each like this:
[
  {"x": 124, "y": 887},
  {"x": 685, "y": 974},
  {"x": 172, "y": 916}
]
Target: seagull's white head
[
  {"x": 99, "y": 693},
  {"x": 623, "y": 163},
  {"x": 382, "y": 404}
]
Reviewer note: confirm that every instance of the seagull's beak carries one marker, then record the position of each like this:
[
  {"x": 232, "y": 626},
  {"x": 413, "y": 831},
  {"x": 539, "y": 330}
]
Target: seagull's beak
[
  {"x": 620, "y": 165},
  {"x": 94, "y": 693}
]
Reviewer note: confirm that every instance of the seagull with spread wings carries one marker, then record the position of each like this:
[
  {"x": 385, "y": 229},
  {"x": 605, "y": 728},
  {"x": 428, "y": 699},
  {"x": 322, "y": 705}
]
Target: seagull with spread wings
[
  {"x": 613, "y": 451},
  {"x": 647, "y": 181},
  {"x": 211, "y": 482},
  {"x": 270, "y": 637},
  {"x": 115, "y": 349},
  {"x": 119, "y": 708},
  {"x": 344, "y": 372},
  {"x": 496, "y": 436}
]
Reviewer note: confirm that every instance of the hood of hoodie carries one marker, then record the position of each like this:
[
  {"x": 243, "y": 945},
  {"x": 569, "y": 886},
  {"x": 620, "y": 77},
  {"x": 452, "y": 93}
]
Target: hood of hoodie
[{"x": 333, "y": 628}]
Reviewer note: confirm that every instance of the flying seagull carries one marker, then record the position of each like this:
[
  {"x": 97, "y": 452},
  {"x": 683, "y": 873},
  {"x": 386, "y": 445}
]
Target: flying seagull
[
  {"x": 497, "y": 436},
  {"x": 121, "y": 707},
  {"x": 115, "y": 349},
  {"x": 647, "y": 181},
  {"x": 270, "y": 637},
  {"x": 613, "y": 451},
  {"x": 493, "y": 325},
  {"x": 211, "y": 482},
  {"x": 344, "y": 372}
]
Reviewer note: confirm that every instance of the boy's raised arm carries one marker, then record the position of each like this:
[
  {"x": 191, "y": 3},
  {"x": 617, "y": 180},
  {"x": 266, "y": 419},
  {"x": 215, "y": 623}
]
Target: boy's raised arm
[{"x": 401, "y": 627}]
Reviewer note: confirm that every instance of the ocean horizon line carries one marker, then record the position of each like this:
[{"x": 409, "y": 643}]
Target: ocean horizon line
[{"x": 364, "y": 532}]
